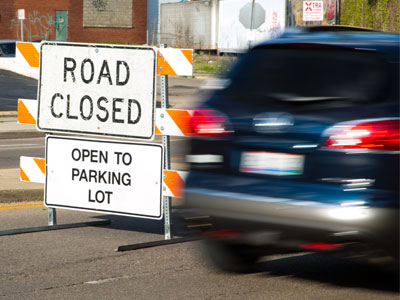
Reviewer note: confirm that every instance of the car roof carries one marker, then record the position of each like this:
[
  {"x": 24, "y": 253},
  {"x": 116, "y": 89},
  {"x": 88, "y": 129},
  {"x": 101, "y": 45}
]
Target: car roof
[
  {"x": 7, "y": 41},
  {"x": 342, "y": 36}
]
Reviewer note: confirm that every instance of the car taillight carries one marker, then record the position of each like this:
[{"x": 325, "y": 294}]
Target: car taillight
[
  {"x": 209, "y": 123},
  {"x": 320, "y": 246},
  {"x": 373, "y": 135}
]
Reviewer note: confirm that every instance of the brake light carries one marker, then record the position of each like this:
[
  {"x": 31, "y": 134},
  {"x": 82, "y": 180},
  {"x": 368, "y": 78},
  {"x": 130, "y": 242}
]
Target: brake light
[
  {"x": 209, "y": 123},
  {"x": 320, "y": 246},
  {"x": 374, "y": 135}
]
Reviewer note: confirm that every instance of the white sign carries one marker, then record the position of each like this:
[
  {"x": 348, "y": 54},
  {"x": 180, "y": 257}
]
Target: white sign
[
  {"x": 233, "y": 36},
  {"x": 313, "y": 10},
  {"x": 21, "y": 14},
  {"x": 97, "y": 89},
  {"x": 105, "y": 176}
]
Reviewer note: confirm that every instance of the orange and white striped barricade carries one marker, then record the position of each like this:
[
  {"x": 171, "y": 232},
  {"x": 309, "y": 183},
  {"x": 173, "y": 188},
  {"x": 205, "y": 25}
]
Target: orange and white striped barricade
[
  {"x": 172, "y": 122},
  {"x": 27, "y": 111},
  {"x": 27, "y": 57},
  {"x": 174, "y": 182},
  {"x": 175, "y": 122},
  {"x": 172, "y": 61},
  {"x": 32, "y": 169}
]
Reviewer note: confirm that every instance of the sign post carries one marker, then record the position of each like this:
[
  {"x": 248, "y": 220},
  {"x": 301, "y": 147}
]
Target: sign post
[
  {"x": 21, "y": 17},
  {"x": 166, "y": 144}
]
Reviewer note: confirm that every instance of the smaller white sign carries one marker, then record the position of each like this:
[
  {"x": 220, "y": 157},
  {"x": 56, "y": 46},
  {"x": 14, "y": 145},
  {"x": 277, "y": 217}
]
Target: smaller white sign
[
  {"x": 21, "y": 14},
  {"x": 106, "y": 176},
  {"x": 313, "y": 10}
]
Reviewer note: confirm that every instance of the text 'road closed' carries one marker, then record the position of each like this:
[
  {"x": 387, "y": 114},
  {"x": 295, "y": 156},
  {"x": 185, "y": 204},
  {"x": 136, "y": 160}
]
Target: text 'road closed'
[{"x": 97, "y": 89}]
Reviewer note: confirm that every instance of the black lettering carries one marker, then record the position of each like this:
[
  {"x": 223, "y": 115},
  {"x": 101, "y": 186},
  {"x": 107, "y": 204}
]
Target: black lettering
[
  {"x": 75, "y": 173},
  {"x": 119, "y": 62},
  {"x": 127, "y": 158},
  {"x": 98, "y": 199},
  {"x": 69, "y": 116},
  {"x": 94, "y": 156},
  {"x": 88, "y": 117},
  {"x": 116, "y": 110},
  {"x": 139, "y": 111},
  {"x": 92, "y": 176},
  {"x": 102, "y": 177},
  {"x": 70, "y": 69},
  {"x": 84, "y": 62},
  {"x": 118, "y": 154},
  {"x": 90, "y": 196},
  {"x": 52, "y": 105},
  {"x": 85, "y": 154},
  {"x": 116, "y": 178},
  {"x": 104, "y": 72},
  {"x": 102, "y": 108},
  {"x": 126, "y": 179},
  {"x": 104, "y": 157},
  {"x": 100, "y": 196},
  {"x": 76, "y": 154},
  {"x": 108, "y": 196},
  {"x": 83, "y": 176}
]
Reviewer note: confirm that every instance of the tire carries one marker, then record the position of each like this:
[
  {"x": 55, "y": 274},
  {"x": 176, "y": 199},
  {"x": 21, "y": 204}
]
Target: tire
[{"x": 231, "y": 258}]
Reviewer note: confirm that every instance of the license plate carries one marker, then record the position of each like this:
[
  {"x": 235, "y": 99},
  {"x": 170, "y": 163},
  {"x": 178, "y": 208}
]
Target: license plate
[{"x": 271, "y": 163}]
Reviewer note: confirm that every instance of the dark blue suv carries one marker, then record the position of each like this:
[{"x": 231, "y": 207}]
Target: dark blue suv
[{"x": 300, "y": 152}]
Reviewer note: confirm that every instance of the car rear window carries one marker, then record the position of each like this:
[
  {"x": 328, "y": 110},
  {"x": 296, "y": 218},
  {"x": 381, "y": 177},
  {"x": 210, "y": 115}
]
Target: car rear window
[{"x": 304, "y": 76}]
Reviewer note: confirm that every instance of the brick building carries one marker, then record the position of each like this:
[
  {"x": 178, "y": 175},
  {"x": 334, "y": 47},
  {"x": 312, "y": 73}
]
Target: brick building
[{"x": 88, "y": 21}]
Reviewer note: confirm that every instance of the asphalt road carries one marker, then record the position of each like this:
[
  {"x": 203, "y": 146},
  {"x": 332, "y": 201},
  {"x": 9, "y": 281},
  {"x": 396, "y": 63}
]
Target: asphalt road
[
  {"x": 12, "y": 149},
  {"x": 12, "y": 87},
  {"x": 82, "y": 263}
]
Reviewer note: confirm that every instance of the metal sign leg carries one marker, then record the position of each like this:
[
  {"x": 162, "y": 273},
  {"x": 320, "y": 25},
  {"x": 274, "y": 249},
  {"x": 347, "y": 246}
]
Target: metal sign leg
[
  {"x": 52, "y": 216},
  {"x": 166, "y": 144}
]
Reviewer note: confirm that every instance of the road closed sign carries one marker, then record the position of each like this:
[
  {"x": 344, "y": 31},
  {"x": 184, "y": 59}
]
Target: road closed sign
[
  {"x": 106, "y": 176},
  {"x": 97, "y": 90}
]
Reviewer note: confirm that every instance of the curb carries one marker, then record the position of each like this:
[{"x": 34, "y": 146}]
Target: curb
[
  {"x": 15, "y": 134},
  {"x": 21, "y": 134},
  {"x": 9, "y": 114},
  {"x": 28, "y": 195}
]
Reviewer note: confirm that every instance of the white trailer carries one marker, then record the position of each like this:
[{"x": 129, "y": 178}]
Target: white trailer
[{"x": 235, "y": 25}]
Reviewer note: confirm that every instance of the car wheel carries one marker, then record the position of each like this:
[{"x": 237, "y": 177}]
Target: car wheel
[{"x": 230, "y": 257}]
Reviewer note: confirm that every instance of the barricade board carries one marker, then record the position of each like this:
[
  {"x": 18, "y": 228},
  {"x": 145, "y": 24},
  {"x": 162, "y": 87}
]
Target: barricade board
[
  {"x": 97, "y": 90},
  {"x": 107, "y": 176}
]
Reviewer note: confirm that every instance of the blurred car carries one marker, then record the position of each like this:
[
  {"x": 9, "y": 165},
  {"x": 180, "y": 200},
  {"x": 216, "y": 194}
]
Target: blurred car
[
  {"x": 300, "y": 151},
  {"x": 7, "y": 48}
]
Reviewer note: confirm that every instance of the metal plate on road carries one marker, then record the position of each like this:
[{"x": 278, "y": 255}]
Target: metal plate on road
[
  {"x": 107, "y": 176},
  {"x": 97, "y": 90}
]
